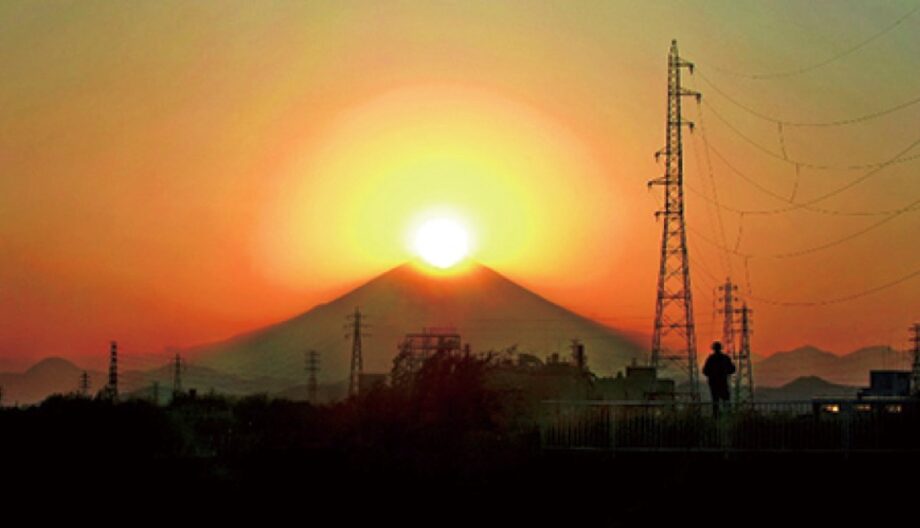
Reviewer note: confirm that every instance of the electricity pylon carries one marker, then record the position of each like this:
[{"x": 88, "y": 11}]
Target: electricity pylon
[
  {"x": 674, "y": 304},
  {"x": 915, "y": 348},
  {"x": 84, "y": 384},
  {"x": 177, "y": 376},
  {"x": 357, "y": 326},
  {"x": 728, "y": 312},
  {"x": 732, "y": 317},
  {"x": 744, "y": 376},
  {"x": 112, "y": 387},
  {"x": 312, "y": 367}
]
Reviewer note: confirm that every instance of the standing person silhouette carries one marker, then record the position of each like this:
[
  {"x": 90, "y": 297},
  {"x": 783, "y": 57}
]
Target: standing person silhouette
[{"x": 717, "y": 369}]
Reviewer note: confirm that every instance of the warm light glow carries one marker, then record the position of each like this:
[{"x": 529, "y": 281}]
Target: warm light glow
[
  {"x": 442, "y": 242},
  {"x": 350, "y": 202}
]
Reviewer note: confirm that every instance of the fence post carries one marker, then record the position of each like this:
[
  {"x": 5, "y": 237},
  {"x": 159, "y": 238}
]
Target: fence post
[
  {"x": 612, "y": 428},
  {"x": 847, "y": 412}
]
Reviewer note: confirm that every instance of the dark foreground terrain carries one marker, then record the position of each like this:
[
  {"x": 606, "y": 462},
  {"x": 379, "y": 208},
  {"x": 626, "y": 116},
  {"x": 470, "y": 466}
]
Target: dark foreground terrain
[{"x": 439, "y": 450}]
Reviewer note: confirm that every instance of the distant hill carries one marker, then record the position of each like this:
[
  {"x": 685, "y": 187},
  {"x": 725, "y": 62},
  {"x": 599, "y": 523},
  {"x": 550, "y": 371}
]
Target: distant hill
[
  {"x": 140, "y": 383},
  {"x": 805, "y": 388},
  {"x": 59, "y": 376},
  {"x": 48, "y": 376},
  {"x": 487, "y": 309},
  {"x": 850, "y": 369},
  {"x": 324, "y": 393}
]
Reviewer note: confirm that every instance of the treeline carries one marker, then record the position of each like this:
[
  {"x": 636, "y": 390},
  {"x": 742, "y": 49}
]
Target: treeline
[
  {"x": 443, "y": 422},
  {"x": 444, "y": 446}
]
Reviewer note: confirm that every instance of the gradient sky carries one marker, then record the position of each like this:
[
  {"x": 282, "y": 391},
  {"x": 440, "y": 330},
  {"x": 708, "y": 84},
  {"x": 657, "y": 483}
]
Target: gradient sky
[{"x": 177, "y": 172}]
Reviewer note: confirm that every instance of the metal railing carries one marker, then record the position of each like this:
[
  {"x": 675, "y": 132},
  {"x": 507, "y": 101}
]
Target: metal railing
[{"x": 794, "y": 426}]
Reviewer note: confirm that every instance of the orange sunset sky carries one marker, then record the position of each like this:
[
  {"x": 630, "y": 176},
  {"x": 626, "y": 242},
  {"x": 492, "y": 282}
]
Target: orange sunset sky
[{"x": 173, "y": 173}]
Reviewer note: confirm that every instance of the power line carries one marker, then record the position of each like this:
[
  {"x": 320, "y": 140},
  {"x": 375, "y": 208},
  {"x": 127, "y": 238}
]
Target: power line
[
  {"x": 837, "y": 300},
  {"x": 726, "y": 259},
  {"x": 814, "y": 249},
  {"x": 833, "y": 123},
  {"x": 793, "y": 205},
  {"x": 894, "y": 160},
  {"x": 833, "y": 58}
]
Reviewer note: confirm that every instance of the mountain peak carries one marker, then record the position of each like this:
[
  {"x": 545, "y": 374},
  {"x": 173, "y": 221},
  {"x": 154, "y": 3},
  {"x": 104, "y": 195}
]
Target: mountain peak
[
  {"x": 490, "y": 311},
  {"x": 417, "y": 272},
  {"x": 53, "y": 366}
]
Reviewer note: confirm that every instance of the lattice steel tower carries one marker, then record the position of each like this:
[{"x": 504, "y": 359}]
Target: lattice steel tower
[
  {"x": 112, "y": 387},
  {"x": 674, "y": 305},
  {"x": 728, "y": 312},
  {"x": 84, "y": 384},
  {"x": 177, "y": 376},
  {"x": 915, "y": 348},
  {"x": 736, "y": 324},
  {"x": 357, "y": 361},
  {"x": 744, "y": 376},
  {"x": 312, "y": 367}
]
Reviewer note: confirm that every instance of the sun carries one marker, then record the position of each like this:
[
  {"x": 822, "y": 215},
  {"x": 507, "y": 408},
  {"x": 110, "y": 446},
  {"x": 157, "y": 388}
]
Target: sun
[{"x": 442, "y": 242}]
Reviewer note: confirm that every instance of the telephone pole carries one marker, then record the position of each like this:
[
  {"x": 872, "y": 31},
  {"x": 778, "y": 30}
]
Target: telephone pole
[
  {"x": 915, "y": 348},
  {"x": 356, "y": 325},
  {"x": 674, "y": 303},
  {"x": 312, "y": 367}
]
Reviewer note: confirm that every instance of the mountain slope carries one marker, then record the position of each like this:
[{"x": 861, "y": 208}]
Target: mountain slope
[
  {"x": 487, "y": 309},
  {"x": 803, "y": 389},
  {"x": 850, "y": 369},
  {"x": 48, "y": 376}
]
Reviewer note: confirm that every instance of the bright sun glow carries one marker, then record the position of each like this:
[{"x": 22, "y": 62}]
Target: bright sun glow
[{"x": 441, "y": 242}]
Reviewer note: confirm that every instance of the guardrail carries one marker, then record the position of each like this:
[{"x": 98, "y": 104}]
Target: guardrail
[{"x": 794, "y": 426}]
